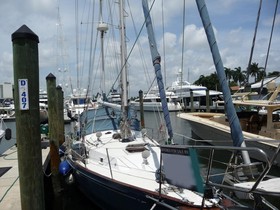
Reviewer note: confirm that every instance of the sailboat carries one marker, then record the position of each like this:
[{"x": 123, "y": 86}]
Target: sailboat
[{"x": 121, "y": 167}]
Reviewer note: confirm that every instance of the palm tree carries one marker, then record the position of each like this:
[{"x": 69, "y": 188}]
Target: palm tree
[
  {"x": 244, "y": 72},
  {"x": 261, "y": 75},
  {"x": 238, "y": 75},
  {"x": 228, "y": 73},
  {"x": 254, "y": 70}
]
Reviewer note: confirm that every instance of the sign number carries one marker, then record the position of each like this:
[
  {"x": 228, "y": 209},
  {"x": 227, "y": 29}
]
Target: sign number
[{"x": 23, "y": 94}]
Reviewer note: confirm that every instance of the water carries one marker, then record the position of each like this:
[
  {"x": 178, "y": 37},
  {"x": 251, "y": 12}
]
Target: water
[
  {"x": 73, "y": 199},
  {"x": 181, "y": 128},
  {"x": 4, "y": 143},
  {"x": 11, "y": 124}
]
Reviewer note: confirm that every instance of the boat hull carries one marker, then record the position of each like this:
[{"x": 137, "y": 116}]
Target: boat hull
[
  {"x": 151, "y": 107},
  {"x": 111, "y": 194},
  {"x": 220, "y": 135}
]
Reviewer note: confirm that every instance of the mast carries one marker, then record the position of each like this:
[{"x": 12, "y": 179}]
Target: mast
[
  {"x": 61, "y": 53},
  {"x": 156, "y": 62},
  {"x": 236, "y": 131},
  {"x": 252, "y": 47},
  {"x": 102, "y": 27},
  {"x": 125, "y": 132}
]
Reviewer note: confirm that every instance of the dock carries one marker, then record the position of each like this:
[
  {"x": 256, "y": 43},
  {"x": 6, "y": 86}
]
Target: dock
[{"x": 9, "y": 177}]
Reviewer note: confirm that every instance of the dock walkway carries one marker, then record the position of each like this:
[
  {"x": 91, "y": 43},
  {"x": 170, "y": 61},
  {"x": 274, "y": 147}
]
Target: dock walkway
[{"x": 9, "y": 178}]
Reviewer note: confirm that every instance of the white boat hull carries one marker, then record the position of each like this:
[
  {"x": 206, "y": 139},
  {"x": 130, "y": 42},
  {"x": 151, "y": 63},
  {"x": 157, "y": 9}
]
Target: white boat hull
[
  {"x": 218, "y": 134},
  {"x": 156, "y": 106},
  {"x": 121, "y": 174}
]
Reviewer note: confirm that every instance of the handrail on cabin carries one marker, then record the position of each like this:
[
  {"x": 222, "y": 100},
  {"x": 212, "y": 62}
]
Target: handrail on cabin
[{"x": 268, "y": 164}]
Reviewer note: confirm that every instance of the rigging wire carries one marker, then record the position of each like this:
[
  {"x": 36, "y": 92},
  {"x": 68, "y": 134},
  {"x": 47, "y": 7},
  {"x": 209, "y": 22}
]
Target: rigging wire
[
  {"x": 91, "y": 50},
  {"x": 253, "y": 44},
  {"x": 62, "y": 57},
  {"x": 77, "y": 41},
  {"x": 85, "y": 44},
  {"x": 136, "y": 41},
  {"x": 110, "y": 50},
  {"x": 268, "y": 48},
  {"x": 183, "y": 39},
  {"x": 133, "y": 46},
  {"x": 111, "y": 45},
  {"x": 81, "y": 49},
  {"x": 163, "y": 40},
  {"x": 131, "y": 50},
  {"x": 148, "y": 79},
  {"x": 93, "y": 80}
]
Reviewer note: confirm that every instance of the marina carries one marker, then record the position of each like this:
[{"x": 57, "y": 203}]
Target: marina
[
  {"x": 187, "y": 146},
  {"x": 259, "y": 120},
  {"x": 122, "y": 162},
  {"x": 72, "y": 197}
]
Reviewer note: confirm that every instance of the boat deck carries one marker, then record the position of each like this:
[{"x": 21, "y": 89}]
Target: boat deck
[{"x": 9, "y": 178}]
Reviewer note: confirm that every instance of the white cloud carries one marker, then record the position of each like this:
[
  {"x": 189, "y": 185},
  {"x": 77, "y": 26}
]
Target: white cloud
[
  {"x": 6, "y": 67},
  {"x": 233, "y": 21},
  {"x": 195, "y": 37},
  {"x": 170, "y": 40}
]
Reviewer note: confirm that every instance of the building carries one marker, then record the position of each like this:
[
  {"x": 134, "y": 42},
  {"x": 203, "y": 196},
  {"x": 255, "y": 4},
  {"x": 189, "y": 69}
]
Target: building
[{"x": 6, "y": 90}]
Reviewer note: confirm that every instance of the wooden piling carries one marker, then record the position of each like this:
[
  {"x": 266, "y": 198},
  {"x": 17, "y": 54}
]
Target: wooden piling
[
  {"x": 26, "y": 97},
  {"x": 53, "y": 118},
  {"x": 207, "y": 101},
  {"x": 60, "y": 115},
  {"x": 192, "y": 105},
  {"x": 141, "y": 109}
]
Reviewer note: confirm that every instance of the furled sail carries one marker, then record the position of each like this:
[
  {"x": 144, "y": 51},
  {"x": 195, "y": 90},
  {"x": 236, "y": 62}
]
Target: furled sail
[{"x": 156, "y": 62}]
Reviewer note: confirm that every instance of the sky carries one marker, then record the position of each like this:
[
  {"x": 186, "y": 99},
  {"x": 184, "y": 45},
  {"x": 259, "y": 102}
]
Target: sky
[{"x": 59, "y": 24}]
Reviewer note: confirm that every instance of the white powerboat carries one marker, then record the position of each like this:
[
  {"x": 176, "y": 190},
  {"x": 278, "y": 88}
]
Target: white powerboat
[
  {"x": 152, "y": 102},
  {"x": 185, "y": 90}
]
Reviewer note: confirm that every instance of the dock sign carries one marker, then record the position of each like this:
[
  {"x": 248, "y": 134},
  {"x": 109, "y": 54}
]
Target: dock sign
[{"x": 23, "y": 94}]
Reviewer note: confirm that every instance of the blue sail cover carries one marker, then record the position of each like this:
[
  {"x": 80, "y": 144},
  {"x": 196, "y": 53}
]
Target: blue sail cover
[
  {"x": 157, "y": 67},
  {"x": 236, "y": 131}
]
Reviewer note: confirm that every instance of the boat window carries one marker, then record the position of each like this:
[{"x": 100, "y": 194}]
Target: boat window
[
  {"x": 275, "y": 117},
  {"x": 79, "y": 101}
]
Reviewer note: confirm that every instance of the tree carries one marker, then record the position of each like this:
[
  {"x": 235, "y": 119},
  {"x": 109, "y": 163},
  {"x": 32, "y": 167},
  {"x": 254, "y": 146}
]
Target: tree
[
  {"x": 200, "y": 80},
  {"x": 254, "y": 70},
  {"x": 229, "y": 74},
  {"x": 211, "y": 81},
  {"x": 238, "y": 75},
  {"x": 261, "y": 75},
  {"x": 274, "y": 73}
]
